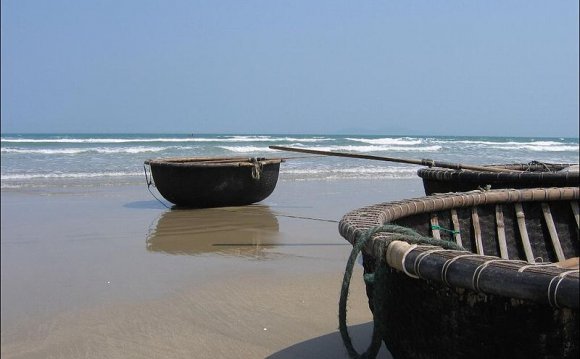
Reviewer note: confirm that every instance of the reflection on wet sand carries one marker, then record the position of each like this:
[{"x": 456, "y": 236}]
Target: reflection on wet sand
[{"x": 241, "y": 231}]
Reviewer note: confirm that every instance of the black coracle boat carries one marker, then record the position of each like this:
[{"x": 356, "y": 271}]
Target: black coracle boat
[
  {"x": 480, "y": 274},
  {"x": 202, "y": 182},
  {"x": 525, "y": 175}
]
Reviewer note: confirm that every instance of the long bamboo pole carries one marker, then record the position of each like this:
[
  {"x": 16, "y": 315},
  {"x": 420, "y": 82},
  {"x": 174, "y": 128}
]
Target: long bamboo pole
[{"x": 422, "y": 162}]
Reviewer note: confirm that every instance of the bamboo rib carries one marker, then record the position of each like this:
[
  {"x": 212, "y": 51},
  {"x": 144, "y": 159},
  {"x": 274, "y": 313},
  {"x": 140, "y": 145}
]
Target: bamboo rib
[
  {"x": 521, "y": 218},
  {"x": 456, "y": 228},
  {"x": 553, "y": 232},
  {"x": 575, "y": 210},
  {"x": 435, "y": 226},
  {"x": 501, "y": 232},
  {"x": 477, "y": 230}
]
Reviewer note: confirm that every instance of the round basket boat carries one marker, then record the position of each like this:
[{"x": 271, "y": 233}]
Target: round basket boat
[
  {"x": 481, "y": 274},
  {"x": 529, "y": 175},
  {"x": 202, "y": 182}
]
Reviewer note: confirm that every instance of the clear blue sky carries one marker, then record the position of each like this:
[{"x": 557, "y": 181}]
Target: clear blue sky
[{"x": 387, "y": 67}]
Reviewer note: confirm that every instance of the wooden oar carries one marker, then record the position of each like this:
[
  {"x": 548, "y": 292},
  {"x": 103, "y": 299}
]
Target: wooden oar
[{"x": 422, "y": 162}]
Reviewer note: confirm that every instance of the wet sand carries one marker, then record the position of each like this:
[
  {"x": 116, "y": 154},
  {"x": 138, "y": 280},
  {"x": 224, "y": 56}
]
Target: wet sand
[{"x": 112, "y": 273}]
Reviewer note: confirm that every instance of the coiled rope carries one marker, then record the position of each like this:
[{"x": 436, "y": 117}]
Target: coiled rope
[{"x": 378, "y": 279}]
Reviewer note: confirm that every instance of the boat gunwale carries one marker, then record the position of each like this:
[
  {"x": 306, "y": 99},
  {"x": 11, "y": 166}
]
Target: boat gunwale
[
  {"x": 391, "y": 211},
  {"x": 213, "y": 161},
  {"x": 553, "y": 171}
]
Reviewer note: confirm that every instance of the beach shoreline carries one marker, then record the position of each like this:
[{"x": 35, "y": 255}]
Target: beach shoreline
[{"x": 111, "y": 272}]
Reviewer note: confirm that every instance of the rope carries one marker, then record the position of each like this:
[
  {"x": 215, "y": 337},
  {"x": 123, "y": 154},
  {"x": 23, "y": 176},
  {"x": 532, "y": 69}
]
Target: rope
[
  {"x": 539, "y": 163},
  {"x": 309, "y": 218},
  {"x": 452, "y": 231},
  {"x": 479, "y": 270},
  {"x": 149, "y": 181},
  {"x": 256, "y": 169},
  {"x": 378, "y": 279},
  {"x": 413, "y": 246},
  {"x": 553, "y": 296},
  {"x": 376, "y": 339},
  {"x": 448, "y": 263}
]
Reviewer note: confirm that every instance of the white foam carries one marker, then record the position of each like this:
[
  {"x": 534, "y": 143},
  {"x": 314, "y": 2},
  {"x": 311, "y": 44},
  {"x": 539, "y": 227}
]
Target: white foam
[
  {"x": 166, "y": 139},
  {"x": 74, "y": 151},
  {"x": 404, "y": 141},
  {"x": 246, "y": 149},
  {"x": 378, "y": 148},
  {"x": 532, "y": 146},
  {"x": 538, "y": 148}
]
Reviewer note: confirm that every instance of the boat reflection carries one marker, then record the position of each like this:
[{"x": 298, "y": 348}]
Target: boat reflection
[{"x": 239, "y": 231}]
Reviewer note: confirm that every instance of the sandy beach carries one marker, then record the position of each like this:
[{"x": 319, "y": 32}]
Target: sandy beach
[{"x": 110, "y": 272}]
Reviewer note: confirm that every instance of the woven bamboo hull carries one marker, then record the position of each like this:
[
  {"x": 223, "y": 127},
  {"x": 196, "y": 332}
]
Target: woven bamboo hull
[
  {"x": 429, "y": 320},
  {"x": 439, "y": 180},
  {"x": 473, "y": 304},
  {"x": 203, "y": 182},
  {"x": 426, "y": 319}
]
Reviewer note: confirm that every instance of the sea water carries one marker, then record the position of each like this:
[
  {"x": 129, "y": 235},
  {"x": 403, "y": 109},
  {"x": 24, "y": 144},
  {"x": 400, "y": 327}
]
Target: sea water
[{"x": 72, "y": 160}]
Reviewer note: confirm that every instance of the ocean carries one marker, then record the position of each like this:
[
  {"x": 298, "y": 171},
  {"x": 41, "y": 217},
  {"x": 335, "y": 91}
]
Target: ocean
[
  {"x": 30, "y": 161},
  {"x": 87, "y": 253}
]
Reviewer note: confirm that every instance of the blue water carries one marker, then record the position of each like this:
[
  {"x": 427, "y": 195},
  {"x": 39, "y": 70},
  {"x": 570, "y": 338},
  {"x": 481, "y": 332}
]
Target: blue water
[{"x": 65, "y": 160}]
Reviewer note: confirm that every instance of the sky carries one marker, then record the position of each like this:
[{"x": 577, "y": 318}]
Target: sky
[{"x": 472, "y": 68}]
